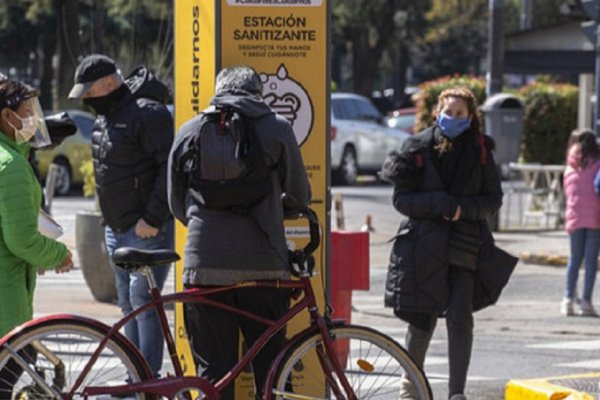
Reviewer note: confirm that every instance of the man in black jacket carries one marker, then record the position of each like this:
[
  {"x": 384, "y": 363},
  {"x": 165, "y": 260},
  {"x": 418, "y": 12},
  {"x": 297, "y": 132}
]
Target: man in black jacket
[{"x": 131, "y": 141}]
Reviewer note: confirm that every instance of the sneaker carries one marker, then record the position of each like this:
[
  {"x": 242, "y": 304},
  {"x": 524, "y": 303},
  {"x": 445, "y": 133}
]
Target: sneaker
[
  {"x": 407, "y": 390},
  {"x": 458, "y": 397},
  {"x": 567, "y": 307},
  {"x": 586, "y": 309}
]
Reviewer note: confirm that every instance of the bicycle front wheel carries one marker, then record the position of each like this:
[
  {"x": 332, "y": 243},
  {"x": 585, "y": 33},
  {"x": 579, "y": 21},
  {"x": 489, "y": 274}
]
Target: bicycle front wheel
[
  {"x": 56, "y": 351},
  {"x": 375, "y": 366}
]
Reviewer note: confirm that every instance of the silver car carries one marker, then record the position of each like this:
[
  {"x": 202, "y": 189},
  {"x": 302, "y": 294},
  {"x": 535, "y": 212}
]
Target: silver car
[{"x": 360, "y": 138}]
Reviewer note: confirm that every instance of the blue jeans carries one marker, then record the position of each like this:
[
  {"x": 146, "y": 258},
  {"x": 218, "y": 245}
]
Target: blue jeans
[
  {"x": 585, "y": 244},
  {"x": 132, "y": 291}
]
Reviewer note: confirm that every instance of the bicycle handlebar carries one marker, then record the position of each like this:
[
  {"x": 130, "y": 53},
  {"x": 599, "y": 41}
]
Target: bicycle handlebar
[
  {"x": 315, "y": 234},
  {"x": 301, "y": 261}
]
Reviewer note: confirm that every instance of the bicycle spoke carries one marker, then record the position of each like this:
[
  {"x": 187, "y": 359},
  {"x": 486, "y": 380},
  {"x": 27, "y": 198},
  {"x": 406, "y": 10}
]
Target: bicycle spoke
[
  {"x": 373, "y": 365},
  {"x": 63, "y": 348}
]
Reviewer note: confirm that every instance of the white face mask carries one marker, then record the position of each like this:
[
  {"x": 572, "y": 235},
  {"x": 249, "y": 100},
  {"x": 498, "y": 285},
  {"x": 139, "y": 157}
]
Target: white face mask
[{"x": 29, "y": 126}]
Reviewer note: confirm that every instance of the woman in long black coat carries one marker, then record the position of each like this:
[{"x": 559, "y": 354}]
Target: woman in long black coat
[{"x": 444, "y": 261}]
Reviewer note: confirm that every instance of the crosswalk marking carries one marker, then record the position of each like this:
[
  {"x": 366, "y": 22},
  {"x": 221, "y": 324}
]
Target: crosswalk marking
[
  {"x": 590, "y": 364},
  {"x": 569, "y": 345}
]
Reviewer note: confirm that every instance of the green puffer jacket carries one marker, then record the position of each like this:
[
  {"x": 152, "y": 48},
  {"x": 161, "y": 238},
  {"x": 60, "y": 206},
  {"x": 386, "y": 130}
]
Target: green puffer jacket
[{"x": 23, "y": 250}]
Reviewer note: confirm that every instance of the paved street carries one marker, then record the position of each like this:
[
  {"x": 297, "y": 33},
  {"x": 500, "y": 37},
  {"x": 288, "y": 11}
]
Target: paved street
[{"x": 523, "y": 336}]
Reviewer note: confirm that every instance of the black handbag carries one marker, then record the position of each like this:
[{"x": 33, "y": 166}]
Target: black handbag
[{"x": 463, "y": 246}]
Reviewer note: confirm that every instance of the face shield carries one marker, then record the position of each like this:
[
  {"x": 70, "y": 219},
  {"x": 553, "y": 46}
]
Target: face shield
[{"x": 33, "y": 129}]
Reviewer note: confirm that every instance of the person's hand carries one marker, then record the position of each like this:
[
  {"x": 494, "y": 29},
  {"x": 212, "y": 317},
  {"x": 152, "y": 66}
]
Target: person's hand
[
  {"x": 144, "y": 230},
  {"x": 456, "y": 214},
  {"x": 66, "y": 265}
]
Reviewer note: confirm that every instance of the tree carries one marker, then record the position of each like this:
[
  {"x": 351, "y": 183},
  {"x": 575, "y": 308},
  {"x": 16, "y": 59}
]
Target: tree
[
  {"x": 373, "y": 31},
  {"x": 37, "y": 31},
  {"x": 455, "y": 41}
]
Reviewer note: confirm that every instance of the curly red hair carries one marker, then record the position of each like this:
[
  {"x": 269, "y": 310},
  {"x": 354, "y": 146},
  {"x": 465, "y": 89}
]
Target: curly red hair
[{"x": 468, "y": 97}]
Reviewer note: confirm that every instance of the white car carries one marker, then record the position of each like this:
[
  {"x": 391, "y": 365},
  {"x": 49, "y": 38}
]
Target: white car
[{"x": 360, "y": 138}]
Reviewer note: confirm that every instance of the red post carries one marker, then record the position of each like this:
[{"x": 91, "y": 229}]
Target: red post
[{"x": 349, "y": 271}]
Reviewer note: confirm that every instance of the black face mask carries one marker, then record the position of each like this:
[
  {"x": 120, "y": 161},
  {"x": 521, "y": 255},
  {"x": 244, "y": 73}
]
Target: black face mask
[{"x": 103, "y": 104}]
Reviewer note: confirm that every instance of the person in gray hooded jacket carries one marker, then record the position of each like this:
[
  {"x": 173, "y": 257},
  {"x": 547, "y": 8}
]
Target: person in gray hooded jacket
[{"x": 228, "y": 247}]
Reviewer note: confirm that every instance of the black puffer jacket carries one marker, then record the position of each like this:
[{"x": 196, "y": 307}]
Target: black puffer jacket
[
  {"x": 131, "y": 147},
  {"x": 417, "y": 280}
]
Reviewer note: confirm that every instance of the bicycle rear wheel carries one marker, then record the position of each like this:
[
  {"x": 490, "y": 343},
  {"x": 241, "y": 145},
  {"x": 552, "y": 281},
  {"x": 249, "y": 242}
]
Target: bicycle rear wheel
[
  {"x": 375, "y": 366},
  {"x": 58, "y": 350}
]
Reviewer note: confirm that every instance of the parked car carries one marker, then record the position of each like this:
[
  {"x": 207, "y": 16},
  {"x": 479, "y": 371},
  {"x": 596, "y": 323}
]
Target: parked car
[
  {"x": 70, "y": 154},
  {"x": 403, "y": 118},
  {"x": 360, "y": 139}
]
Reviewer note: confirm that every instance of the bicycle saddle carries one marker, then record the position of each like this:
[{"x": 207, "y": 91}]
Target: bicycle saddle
[{"x": 130, "y": 258}]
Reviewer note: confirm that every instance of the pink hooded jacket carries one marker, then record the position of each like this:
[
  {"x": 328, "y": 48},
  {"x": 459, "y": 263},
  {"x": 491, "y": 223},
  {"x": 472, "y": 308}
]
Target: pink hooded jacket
[{"x": 582, "y": 202}]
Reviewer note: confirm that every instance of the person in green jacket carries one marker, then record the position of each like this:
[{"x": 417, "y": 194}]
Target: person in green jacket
[{"x": 24, "y": 252}]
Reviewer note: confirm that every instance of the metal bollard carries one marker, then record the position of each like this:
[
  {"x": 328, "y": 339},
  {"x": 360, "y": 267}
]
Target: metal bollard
[
  {"x": 338, "y": 205},
  {"x": 50, "y": 185}
]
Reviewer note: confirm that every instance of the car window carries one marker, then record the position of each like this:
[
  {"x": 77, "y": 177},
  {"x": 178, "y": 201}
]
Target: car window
[
  {"x": 340, "y": 109},
  {"x": 336, "y": 108},
  {"x": 366, "y": 110},
  {"x": 403, "y": 121},
  {"x": 85, "y": 125},
  {"x": 352, "y": 109}
]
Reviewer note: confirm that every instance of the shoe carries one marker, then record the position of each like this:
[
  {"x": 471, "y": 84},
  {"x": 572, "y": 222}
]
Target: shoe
[
  {"x": 586, "y": 309},
  {"x": 567, "y": 307},
  {"x": 458, "y": 397},
  {"x": 407, "y": 390}
]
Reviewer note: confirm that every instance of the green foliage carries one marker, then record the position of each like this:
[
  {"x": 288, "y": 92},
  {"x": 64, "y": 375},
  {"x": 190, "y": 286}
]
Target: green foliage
[
  {"x": 427, "y": 96},
  {"x": 456, "y": 37},
  {"x": 455, "y": 41},
  {"x": 550, "y": 116},
  {"x": 36, "y": 32},
  {"x": 544, "y": 13},
  {"x": 372, "y": 32}
]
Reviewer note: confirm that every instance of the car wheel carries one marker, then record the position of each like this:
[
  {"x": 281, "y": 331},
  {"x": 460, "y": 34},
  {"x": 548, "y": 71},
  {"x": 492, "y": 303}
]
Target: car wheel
[
  {"x": 348, "y": 170},
  {"x": 63, "y": 177}
]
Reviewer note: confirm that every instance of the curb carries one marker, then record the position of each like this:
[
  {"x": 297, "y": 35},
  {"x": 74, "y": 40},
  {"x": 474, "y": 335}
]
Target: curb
[
  {"x": 571, "y": 387},
  {"x": 544, "y": 259}
]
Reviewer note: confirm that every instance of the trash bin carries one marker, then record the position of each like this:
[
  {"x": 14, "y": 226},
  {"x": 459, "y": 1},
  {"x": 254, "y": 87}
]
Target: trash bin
[{"x": 503, "y": 115}]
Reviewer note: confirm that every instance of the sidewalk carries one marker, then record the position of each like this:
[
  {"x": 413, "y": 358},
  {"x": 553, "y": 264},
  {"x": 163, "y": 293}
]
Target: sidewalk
[
  {"x": 544, "y": 247},
  {"x": 549, "y": 248}
]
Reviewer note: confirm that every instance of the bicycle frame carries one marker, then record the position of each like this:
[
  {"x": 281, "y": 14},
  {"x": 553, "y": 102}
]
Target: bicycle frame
[{"x": 171, "y": 386}]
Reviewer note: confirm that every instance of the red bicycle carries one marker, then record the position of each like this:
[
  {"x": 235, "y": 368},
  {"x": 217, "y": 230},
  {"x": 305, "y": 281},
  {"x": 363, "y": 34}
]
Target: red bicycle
[{"x": 67, "y": 356}]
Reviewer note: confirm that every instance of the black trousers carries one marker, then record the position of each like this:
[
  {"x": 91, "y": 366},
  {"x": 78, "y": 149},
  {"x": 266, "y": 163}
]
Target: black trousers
[
  {"x": 214, "y": 333},
  {"x": 459, "y": 325}
]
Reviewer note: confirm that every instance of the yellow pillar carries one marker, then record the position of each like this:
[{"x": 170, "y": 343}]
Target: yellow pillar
[{"x": 286, "y": 42}]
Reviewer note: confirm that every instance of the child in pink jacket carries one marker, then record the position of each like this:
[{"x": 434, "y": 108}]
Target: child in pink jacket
[{"x": 582, "y": 219}]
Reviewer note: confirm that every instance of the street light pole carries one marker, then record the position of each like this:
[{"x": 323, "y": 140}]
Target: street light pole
[
  {"x": 495, "y": 48},
  {"x": 597, "y": 84},
  {"x": 525, "y": 17},
  {"x": 592, "y": 30}
]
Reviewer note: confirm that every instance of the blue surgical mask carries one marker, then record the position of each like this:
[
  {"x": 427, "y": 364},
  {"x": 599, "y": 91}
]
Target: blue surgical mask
[{"x": 452, "y": 127}]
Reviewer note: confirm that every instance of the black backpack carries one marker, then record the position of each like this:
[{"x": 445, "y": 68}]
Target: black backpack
[{"x": 225, "y": 165}]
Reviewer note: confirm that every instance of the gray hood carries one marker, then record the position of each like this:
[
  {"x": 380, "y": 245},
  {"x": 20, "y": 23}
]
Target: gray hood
[{"x": 245, "y": 103}]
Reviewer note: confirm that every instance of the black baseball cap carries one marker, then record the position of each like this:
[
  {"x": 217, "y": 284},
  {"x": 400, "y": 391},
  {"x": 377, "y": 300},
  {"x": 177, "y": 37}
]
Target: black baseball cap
[{"x": 89, "y": 70}]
